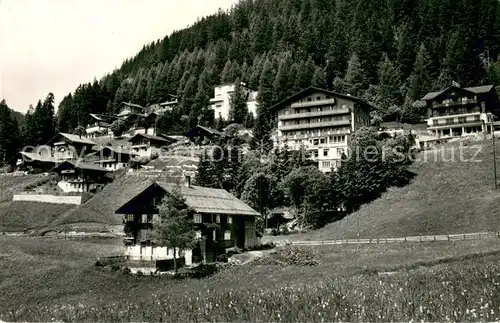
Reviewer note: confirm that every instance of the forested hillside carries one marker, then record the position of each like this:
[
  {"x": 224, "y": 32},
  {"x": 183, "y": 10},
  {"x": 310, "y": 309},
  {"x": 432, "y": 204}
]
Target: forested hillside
[{"x": 390, "y": 52}]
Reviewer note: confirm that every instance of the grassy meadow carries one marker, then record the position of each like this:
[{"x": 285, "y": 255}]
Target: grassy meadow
[{"x": 45, "y": 279}]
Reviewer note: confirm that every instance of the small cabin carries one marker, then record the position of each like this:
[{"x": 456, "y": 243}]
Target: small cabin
[
  {"x": 148, "y": 145},
  {"x": 80, "y": 176},
  {"x": 221, "y": 222},
  {"x": 112, "y": 158},
  {"x": 99, "y": 125},
  {"x": 199, "y": 134},
  {"x": 67, "y": 146}
]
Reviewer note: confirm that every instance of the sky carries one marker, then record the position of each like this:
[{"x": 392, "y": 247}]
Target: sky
[{"x": 55, "y": 45}]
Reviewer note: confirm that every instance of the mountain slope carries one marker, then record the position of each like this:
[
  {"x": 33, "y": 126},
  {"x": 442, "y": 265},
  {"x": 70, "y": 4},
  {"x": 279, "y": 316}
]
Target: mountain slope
[{"x": 445, "y": 197}]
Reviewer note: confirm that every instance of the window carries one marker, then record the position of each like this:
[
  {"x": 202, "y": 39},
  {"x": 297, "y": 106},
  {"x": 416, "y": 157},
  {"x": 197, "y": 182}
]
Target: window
[
  {"x": 316, "y": 154},
  {"x": 340, "y": 151},
  {"x": 316, "y": 142},
  {"x": 322, "y": 140},
  {"x": 218, "y": 106},
  {"x": 155, "y": 218},
  {"x": 227, "y": 235},
  {"x": 326, "y": 164},
  {"x": 325, "y": 152},
  {"x": 229, "y": 219},
  {"x": 309, "y": 99},
  {"x": 318, "y": 98},
  {"x": 214, "y": 235},
  {"x": 217, "y": 218},
  {"x": 130, "y": 217},
  {"x": 198, "y": 234},
  {"x": 144, "y": 218},
  {"x": 150, "y": 218},
  {"x": 197, "y": 218}
]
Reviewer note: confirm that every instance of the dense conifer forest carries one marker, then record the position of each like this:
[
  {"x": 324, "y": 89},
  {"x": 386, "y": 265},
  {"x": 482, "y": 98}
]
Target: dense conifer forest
[{"x": 388, "y": 52}]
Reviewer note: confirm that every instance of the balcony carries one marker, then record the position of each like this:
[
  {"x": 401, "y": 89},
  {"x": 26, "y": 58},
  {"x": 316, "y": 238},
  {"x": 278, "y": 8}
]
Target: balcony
[
  {"x": 453, "y": 124},
  {"x": 303, "y": 115},
  {"x": 312, "y": 103},
  {"x": 454, "y": 103},
  {"x": 315, "y": 125},
  {"x": 458, "y": 114}
]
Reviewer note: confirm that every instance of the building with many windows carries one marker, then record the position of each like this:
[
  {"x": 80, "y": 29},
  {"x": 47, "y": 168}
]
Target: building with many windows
[
  {"x": 221, "y": 102},
  {"x": 321, "y": 121},
  {"x": 457, "y": 111}
]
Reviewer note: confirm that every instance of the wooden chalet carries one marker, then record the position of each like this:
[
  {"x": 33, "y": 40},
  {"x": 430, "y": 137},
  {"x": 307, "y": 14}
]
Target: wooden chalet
[
  {"x": 148, "y": 145},
  {"x": 67, "y": 146},
  {"x": 80, "y": 176},
  {"x": 99, "y": 125},
  {"x": 35, "y": 162},
  {"x": 221, "y": 221},
  {"x": 199, "y": 133},
  {"x": 112, "y": 158},
  {"x": 127, "y": 108}
]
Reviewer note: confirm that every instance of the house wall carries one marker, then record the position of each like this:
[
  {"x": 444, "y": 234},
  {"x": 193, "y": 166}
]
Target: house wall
[
  {"x": 68, "y": 187},
  {"x": 44, "y": 198},
  {"x": 144, "y": 252},
  {"x": 251, "y": 239},
  {"x": 112, "y": 165},
  {"x": 323, "y": 124},
  {"x": 221, "y": 102}
]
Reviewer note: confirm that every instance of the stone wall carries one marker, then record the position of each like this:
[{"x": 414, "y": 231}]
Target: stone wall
[{"x": 75, "y": 200}]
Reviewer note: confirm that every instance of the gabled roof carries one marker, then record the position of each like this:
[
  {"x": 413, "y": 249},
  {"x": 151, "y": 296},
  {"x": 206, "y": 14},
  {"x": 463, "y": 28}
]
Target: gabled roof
[
  {"x": 37, "y": 157},
  {"x": 315, "y": 89},
  {"x": 81, "y": 165},
  {"x": 117, "y": 151},
  {"x": 473, "y": 90},
  {"x": 151, "y": 137},
  {"x": 75, "y": 139},
  {"x": 102, "y": 117},
  {"x": 194, "y": 131},
  {"x": 203, "y": 199},
  {"x": 132, "y": 105}
]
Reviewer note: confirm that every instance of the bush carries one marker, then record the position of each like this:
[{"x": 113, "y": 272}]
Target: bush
[
  {"x": 264, "y": 246},
  {"x": 297, "y": 256},
  {"x": 222, "y": 258}
]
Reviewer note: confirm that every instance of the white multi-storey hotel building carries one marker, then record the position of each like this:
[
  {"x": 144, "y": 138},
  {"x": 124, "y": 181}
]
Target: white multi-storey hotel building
[{"x": 322, "y": 121}]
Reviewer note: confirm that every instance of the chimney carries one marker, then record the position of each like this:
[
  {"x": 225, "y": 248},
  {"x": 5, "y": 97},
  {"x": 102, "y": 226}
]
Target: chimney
[{"x": 188, "y": 181}]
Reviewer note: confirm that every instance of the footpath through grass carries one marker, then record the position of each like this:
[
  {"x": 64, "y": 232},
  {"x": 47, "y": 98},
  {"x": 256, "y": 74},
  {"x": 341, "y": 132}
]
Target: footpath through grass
[{"x": 45, "y": 279}]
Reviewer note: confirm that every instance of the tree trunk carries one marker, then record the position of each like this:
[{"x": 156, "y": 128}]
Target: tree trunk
[{"x": 175, "y": 260}]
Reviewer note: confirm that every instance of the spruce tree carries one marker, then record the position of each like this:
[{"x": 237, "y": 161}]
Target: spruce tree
[
  {"x": 9, "y": 136},
  {"x": 421, "y": 80},
  {"x": 264, "y": 122},
  {"x": 319, "y": 78},
  {"x": 238, "y": 103},
  {"x": 355, "y": 78},
  {"x": 390, "y": 85}
]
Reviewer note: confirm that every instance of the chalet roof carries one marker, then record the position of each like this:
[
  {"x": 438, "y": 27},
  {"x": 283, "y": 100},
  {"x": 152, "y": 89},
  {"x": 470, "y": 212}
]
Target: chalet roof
[
  {"x": 82, "y": 165},
  {"x": 151, "y": 137},
  {"x": 117, "y": 151},
  {"x": 38, "y": 157},
  {"x": 476, "y": 90},
  {"x": 173, "y": 161},
  {"x": 315, "y": 89},
  {"x": 202, "y": 199},
  {"x": 76, "y": 139},
  {"x": 194, "y": 131},
  {"x": 132, "y": 105},
  {"x": 210, "y": 200}
]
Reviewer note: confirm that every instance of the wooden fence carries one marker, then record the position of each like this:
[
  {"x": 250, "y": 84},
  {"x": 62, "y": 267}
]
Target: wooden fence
[{"x": 447, "y": 237}]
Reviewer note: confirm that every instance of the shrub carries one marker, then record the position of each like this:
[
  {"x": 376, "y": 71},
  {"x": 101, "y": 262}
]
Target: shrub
[
  {"x": 297, "y": 256},
  {"x": 222, "y": 258}
]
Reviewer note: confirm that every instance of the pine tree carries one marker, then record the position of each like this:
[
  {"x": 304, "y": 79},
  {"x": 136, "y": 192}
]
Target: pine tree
[
  {"x": 262, "y": 129},
  {"x": 305, "y": 73},
  {"x": 227, "y": 73},
  {"x": 355, "y": 78},
  {"x": 238, "y": 103},
  {"x": 421, "y": 80},
  {"x": 9, "y": 136},
  {"x": 284, "y": 82},
  {"x": 319, "y": 78},
  {"x": 390, "y": 85}
]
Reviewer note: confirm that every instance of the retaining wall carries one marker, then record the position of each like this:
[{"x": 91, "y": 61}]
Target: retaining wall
[{"x": 44, "y": 198}]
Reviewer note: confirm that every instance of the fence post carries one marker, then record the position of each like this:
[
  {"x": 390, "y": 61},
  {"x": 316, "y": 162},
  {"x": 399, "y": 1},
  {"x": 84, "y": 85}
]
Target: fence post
[
  {"x": 420, "y": 238},
  {"x": 405, "y": 239},
  {"x": 434, "y": 238},
  {"x": 464, "y": 236},
  {"x": 377, "y": 240},
  {"x": 448, "y": 236}
]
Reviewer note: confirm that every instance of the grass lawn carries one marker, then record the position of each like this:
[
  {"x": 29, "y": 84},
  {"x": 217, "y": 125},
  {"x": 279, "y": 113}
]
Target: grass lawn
[
  {"x": 43, "y": 279},
  {"x": 445, "y": 197}
]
